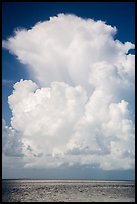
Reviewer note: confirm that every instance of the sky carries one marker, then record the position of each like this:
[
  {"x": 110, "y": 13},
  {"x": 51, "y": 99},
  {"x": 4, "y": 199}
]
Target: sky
[{"x": 68, "y": 90}]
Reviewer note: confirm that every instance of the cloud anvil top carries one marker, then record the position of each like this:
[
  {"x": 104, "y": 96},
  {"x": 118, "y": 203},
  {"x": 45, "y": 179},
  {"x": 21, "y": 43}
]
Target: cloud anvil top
[{"x": 76, "y": 109}]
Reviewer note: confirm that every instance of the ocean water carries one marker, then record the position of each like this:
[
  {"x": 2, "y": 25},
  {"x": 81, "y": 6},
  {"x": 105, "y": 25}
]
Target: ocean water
[{"x": 67, "y": 191}]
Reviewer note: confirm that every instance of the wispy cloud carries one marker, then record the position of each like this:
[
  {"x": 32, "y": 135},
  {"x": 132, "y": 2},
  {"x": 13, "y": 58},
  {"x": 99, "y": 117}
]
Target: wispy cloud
[{"x": 6, "y": 82}]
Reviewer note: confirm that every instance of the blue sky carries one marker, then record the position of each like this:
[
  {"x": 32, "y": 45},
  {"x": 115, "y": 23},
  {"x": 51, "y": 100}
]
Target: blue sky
[{"x": 26, "y": 15}]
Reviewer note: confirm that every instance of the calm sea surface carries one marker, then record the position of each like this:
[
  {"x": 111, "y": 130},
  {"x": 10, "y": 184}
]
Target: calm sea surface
[{"x": 67, "y": 191}]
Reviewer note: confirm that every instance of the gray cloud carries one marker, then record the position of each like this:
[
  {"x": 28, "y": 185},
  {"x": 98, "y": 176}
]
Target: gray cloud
[{"x": 11, "y": 142}]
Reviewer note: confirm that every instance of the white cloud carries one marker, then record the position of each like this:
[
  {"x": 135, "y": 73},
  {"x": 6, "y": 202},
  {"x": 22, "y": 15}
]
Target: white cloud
[
  {"x": 48, "y": 114},
  {"x": 11, "y": 141},
  {"x": 79, "y": 109},
  {"x": 66, "y": 47}
]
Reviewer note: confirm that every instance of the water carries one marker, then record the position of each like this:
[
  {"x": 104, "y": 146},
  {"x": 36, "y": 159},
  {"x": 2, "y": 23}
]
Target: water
[{"x": 67, "y": 191}]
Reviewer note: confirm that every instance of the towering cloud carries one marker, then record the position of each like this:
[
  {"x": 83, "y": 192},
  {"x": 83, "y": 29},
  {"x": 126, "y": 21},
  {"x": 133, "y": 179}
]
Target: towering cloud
[{"x": 80, "y": 108}]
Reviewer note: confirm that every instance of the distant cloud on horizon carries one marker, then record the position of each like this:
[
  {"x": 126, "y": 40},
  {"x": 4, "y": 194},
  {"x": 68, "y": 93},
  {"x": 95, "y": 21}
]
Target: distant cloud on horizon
[{"x": 76, "y": 109}]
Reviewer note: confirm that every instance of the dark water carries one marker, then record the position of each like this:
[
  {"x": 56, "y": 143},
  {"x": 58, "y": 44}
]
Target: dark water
[{"x": 67, "y": 191}]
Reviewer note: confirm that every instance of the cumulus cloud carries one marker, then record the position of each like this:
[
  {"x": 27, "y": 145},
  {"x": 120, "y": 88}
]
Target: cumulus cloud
[
  {"x": 66, "y": 47},
  {"x": 11, "y": 141},
  {"x": 78, "y": 110}
]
